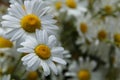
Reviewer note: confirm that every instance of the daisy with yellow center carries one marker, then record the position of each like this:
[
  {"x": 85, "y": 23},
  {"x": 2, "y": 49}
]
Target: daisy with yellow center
[
  {"x": 102, "y": 30},
  {"x": 24, "y": 21},
  {"x": 106, "y": 7},
  {"x": 82, "y": 70},
  {"x": 85, "y": 29},
  {"x": 43, "y": 52},
  {"x": 73, "y": 8}
]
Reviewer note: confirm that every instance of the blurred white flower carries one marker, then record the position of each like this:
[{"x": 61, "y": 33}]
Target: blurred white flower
[
  {"x": 5, "y": 77},
  {"x": 83, "y": 70}
]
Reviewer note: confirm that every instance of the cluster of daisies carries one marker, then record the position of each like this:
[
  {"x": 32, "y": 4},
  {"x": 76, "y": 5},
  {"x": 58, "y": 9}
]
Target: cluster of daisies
[{"x": 32, "y": 33}]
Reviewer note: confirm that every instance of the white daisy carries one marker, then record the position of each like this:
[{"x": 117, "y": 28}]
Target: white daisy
[
  {"x": 86, "y": 31},
  {"x": 6, "y": 46},
  {"x": 25, "y": 19},
  {"x": 43, "y": 52},
  {"x": 74, "y": 7},
  {"x": 106, "y": 6},
  {"x": 83, "y": 70},
  {"x": 85, "y": 27}
]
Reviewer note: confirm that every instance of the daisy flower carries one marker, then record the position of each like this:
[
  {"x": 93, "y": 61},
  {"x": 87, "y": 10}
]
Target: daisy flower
[
  {"x": 85, "y": 27},
  {"x": 83, "y": 70},
  {"x": 86, "y": 31},
  {"x": 6, "y": 46},
  {"x": 25, "y": 19},
  {"x": 74, "y": 7},
  {"x": 43, "y": 52},
  {"x": 107, "y": 7},
  {"x": 116, "y": 42}
]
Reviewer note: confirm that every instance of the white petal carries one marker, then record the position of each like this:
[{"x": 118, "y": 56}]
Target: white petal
[
  {"x": 10, "y": 18},
  {"x": 11, "y": 33},
  {"x": 50, "y": 26},
  {"x": 52, "y": 41},
  {"x": 53, "y": 67},
  {"x": 44, "y": 11},
  {"x": 25, "y": 50},
  {"x": 28, "y": 6},
  {"x": 10, "y": 24},
  {"x": 45, "y": 68},
  {"x": 32, "y": 61},
  {"x": 17, "y": 35},
  {"x": 42, "y": 36},
  {"x": 57, "y": 50},
  {"x": 48, "y": 21},
  {"x": 28, "y": 57},
  {"x": 59, "y": 60}
]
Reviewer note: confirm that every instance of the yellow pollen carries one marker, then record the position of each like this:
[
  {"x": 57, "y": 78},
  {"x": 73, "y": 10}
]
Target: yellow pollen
[
  {"x": 71, "y": 3},
  {"x": 83, "y": 27},
  {"x": 30, "y": 23},
  {"x": 102, "y": 35},
  {"x": 58, "y": 5},
  {"x": 84, "y": 75},
  {"x": 5, "y": 43},
  {"x": 43, "y": 51},
  {"x": 117, "y": 39},
  {"x": 33, "y": 75},
  {"x": 108, "y": 9}
]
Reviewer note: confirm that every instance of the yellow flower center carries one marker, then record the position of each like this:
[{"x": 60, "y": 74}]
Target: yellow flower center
[
  {"x": 108, "y": 9},
  {"x": 58, "y": 5},
  {"x": 83, "y": 27},
  {"x": 43, "y": 51},
  {"x": 102, "y": 35},
  {"x": 117, "y": 39},
  {"x": 5, "y": 43},
  {"x": 71, "y": 3},
  {"x": 30, "y": 23},
  {"x": 84, "y": 75},
  {"x": 33, "y": 75}
]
